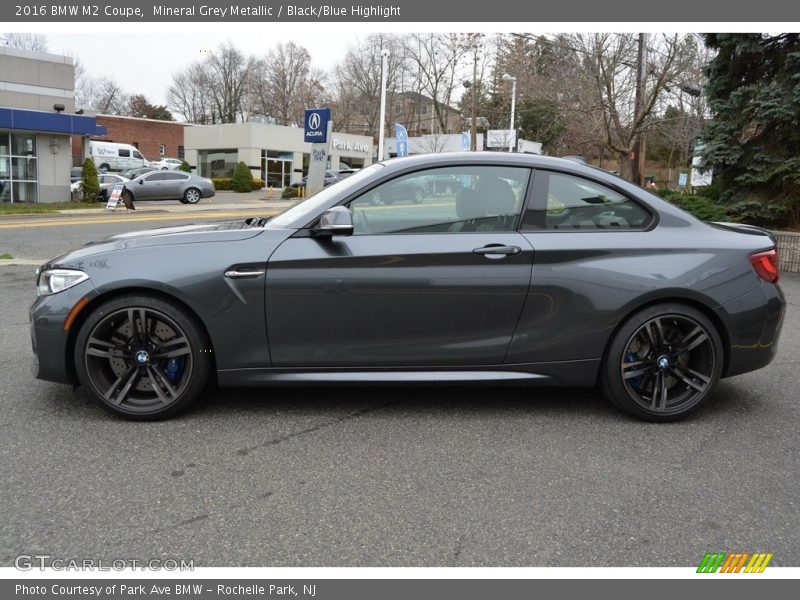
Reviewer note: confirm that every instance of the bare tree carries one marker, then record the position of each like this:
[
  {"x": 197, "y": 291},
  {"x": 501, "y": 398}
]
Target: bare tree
[
  {"x": 187, "y": 98},
  {"x": 356, "y": 83},
  {"x": 284, "y": 85},
  {"x": 109, "y": 98},
  {"x": 35, "y": 42},
  {"x": 434, "y": 59}
]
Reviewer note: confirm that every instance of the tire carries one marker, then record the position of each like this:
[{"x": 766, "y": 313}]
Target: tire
[
  {"x": 149, "y": 375},
  {"x": 164, "y": 168},
  {"x": 663, "y": 362},
  {"x": 419, "y": 196},
  {"x": 183, "y": 201},
  {"x": 192, "y": 196}
]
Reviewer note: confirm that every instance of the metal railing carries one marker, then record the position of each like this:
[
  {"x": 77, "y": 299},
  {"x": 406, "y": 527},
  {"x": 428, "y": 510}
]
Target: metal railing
[{"x": 788, "y": 251}]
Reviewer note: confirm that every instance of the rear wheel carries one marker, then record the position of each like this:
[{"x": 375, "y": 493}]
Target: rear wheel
[
  {"x": 662, "y": 363},
  {"x": 192, "y": 196},
  {"x": 142, "y": 357}
]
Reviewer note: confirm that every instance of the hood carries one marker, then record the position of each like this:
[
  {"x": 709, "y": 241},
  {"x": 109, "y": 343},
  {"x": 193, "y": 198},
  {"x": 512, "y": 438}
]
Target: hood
[{"x": 222, "y": 231}]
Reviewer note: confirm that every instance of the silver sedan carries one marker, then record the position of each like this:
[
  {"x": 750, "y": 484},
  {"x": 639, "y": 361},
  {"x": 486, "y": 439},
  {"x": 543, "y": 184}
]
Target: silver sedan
[{"x": 169, "y": 185}]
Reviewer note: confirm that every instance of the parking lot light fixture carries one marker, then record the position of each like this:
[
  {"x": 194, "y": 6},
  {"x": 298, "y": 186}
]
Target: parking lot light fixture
[{"x": 513, "y": 81}]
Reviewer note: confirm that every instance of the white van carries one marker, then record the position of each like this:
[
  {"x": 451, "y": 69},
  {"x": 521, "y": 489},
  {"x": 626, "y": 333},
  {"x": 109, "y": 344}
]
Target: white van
[{"x": 115, "y": 157}]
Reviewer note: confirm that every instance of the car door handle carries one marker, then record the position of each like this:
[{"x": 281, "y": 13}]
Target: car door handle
[
  {"x": 233, "y": 274},
  {"x": 497, "y": 251}
]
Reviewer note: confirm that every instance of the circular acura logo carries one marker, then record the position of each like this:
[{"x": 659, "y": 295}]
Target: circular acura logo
[{"x": 314, "y": 121}]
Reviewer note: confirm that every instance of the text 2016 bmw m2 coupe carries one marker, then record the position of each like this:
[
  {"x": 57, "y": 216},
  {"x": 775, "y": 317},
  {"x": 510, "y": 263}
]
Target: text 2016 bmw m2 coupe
[{"x": 531, "y": 270}]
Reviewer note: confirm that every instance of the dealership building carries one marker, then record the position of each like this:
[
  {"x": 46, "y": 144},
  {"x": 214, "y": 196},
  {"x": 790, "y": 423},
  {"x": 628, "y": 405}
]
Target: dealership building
[
  {"x": 37, "y": 120},
  {"x": 274, "y": 153}
]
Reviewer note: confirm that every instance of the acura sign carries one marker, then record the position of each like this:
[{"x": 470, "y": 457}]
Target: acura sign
[{"x": 316, "y": 125}]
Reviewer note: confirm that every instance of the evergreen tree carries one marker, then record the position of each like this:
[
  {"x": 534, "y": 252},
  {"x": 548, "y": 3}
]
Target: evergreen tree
[
  {"x": 753, "y": 141},
  {"x": 242, "y": 178},
  {"x": 89, "y": 182}
]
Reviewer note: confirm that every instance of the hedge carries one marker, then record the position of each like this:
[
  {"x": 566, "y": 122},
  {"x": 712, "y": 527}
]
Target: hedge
[{"x": 223, "y": 184}]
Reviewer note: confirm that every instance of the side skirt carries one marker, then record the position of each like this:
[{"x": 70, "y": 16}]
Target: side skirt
[{"x": 579, "y": 373}]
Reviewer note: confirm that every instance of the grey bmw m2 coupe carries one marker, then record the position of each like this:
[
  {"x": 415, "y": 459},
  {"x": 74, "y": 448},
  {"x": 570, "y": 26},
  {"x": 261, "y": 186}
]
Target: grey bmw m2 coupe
[{"x": 527, "y": 270}]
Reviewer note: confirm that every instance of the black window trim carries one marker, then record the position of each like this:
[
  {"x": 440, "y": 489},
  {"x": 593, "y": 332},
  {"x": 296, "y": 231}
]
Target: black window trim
[{"x": 537, "y": 202}]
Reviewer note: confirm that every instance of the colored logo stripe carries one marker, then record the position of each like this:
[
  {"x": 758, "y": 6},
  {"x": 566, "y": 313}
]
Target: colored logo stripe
[{"x": 734, "y": 562}]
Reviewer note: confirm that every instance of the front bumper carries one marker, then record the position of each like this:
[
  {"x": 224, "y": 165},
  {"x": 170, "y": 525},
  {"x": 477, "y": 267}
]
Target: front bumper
[
  {"x": 49, "y": 338},
  {"x": 754, "y": 323}
]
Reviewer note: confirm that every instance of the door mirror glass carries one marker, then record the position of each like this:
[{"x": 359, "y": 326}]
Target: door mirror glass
[{"x": 335, "y": 221}]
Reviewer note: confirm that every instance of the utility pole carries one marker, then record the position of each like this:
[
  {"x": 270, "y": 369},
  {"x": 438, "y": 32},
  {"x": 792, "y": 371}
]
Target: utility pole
[
  {"x": 637, "y": 164},
  {"x": 473, "y": 126}
]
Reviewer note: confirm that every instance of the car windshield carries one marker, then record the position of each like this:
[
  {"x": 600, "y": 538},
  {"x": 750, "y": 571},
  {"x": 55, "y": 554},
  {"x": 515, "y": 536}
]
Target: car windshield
[{"x": 299, "y": 214}]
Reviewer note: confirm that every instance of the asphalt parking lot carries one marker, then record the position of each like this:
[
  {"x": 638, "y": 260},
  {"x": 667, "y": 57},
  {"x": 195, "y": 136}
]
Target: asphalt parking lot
[{"x": 397, "y": 477}]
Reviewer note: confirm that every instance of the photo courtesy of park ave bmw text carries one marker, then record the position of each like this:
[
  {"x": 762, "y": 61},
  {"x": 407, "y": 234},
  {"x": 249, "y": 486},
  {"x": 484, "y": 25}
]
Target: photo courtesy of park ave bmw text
[{"x": 398, "y": 299}]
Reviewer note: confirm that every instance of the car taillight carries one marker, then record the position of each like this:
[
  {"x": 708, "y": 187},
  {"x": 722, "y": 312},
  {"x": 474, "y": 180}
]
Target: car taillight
[{"x": 765, "y": 265}]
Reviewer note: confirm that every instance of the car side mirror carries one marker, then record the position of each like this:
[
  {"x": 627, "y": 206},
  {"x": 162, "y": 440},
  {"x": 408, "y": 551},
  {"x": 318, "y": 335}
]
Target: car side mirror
[
  {"x": 335, "y": 221},
  {"x": 141, "y": 182}
]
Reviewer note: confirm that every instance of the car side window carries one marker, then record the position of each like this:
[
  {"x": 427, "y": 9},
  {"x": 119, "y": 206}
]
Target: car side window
[
  {"x": 155, "y": 177},
  {"x": 575, "y": 203},
  {"x": 456, "y": 199},
  {"x": 174, "y": 176}
]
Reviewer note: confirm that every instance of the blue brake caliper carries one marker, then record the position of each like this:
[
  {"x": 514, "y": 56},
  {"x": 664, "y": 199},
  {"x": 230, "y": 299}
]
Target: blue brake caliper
[
  {"x": 635, "y": 382},
  {"x": 174, "y": 369}
]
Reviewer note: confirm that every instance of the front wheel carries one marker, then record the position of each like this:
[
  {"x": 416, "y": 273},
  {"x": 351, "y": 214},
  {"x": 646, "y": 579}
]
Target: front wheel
[
  {"x": 192, "y": 196},
  {"x": 662, "y": 363},
  {"x": 142, "y": 357}
]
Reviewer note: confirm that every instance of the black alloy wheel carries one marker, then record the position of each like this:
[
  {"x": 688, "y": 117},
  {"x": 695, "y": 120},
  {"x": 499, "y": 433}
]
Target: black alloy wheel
[
  {"x": 663, "y": 363},
  {"x": 142, "y": 357}
]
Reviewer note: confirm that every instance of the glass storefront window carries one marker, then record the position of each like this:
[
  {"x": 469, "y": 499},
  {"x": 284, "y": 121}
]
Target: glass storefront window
[
  {"x": 18, "y": 167},
  {"x": 217, "y": 163}
]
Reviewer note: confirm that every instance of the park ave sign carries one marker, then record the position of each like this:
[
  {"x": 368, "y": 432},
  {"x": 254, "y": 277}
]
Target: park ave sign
[{"x": 349, "y": 146}]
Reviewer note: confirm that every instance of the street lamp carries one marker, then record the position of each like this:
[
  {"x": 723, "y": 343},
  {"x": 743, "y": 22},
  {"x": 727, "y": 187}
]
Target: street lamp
[
  {"x": 384, "y": 69},
  {"x": 513, "y": 81}
]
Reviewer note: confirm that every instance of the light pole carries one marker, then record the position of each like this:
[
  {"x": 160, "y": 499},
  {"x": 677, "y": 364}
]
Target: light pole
[
  {"x": 513, "y": 81},
  {"x": 473, "y": 125},
  {"x": 384, "y": 69}
]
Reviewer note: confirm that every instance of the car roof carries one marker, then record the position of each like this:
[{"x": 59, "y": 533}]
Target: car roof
[{"x": 531, "y": 161}]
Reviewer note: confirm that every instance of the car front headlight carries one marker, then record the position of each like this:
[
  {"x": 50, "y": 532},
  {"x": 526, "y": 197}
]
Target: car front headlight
[{"x": 52, "y": 281}]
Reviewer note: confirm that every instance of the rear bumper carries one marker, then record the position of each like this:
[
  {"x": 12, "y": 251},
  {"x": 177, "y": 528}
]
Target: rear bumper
[{"x": 754, "y": 323}]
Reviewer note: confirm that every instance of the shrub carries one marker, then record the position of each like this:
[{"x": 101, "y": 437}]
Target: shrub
[
  {"x": 242, "y": 178},
  {"x": 185, "y": 167},
  {"x": 290, "y": 192},
  {"x": 701, "y": 207},
  {"x": 89, "y": 181}
]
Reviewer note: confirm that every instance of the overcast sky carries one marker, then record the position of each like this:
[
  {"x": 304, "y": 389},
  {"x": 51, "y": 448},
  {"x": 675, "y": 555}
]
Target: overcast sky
[{"x": 144, "y": 62}]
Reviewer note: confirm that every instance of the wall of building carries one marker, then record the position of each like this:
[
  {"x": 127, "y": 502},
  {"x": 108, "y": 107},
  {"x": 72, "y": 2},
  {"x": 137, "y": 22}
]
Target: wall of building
[
  {"x": 36, "y": 80},
  {"x": 55, "y": 161},
  {"x": 250, "y": 139},
  {"x": 146, "y": 134}
]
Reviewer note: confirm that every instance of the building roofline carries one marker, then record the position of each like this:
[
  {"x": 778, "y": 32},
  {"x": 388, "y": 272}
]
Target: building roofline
[
  {"x": 36, "y": 55},
  {"x": 162, "y": 121}
]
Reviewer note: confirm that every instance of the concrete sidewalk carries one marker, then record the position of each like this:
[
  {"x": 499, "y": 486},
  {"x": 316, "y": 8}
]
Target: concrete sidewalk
[{"x": 222, "y": 201}]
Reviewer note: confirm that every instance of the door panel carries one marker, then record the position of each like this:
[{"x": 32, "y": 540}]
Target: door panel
[{"x": 396, "y": 300}]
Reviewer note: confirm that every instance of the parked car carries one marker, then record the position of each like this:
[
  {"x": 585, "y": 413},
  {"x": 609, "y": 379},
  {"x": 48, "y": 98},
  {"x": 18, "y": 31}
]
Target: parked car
[
  {"x": 331, "y": 177},
  {"x": 169, "y": 185},
  {"x": 75, "y": 174},
  {"x": 442, "y": 184},
  {"x": 540, "y": 271},
  {"x": 166, "y": 164},
  {"x": 134, "y": 173},
  {"x": 106, "y": 181}
]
